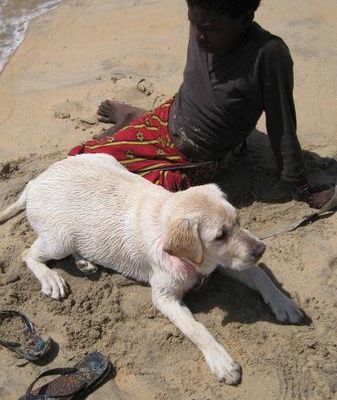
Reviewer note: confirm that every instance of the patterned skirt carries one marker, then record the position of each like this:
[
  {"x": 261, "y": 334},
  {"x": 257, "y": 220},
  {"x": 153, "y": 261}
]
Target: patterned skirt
[{"x": 145, "y": 147}]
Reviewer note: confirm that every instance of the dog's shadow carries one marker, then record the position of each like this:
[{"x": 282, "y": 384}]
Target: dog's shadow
[
  {"x": 238, "y": 302},
  {"x": 254, "y": 176}
]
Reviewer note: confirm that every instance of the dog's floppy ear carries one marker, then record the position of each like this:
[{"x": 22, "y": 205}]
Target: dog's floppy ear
[{"x": 183, "y": 240}]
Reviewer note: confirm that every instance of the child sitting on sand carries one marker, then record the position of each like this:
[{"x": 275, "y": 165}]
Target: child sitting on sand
[{"x": 235, "y": 70}]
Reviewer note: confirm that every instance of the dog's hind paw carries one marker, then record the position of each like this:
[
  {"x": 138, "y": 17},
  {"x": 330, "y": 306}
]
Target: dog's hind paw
[{"x": 86, "y": 267}]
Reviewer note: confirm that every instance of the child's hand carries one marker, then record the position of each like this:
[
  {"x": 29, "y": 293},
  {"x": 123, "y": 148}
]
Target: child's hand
[
  {"x": 320, "y": 198},
  {"x": 316, "y": 197}
]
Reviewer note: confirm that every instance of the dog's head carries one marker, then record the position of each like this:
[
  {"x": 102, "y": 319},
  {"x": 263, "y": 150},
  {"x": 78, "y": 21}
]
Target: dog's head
[{"x": 203, "y": 227}]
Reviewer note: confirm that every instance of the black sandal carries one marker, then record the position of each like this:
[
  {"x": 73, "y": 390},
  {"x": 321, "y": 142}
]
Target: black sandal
[
  {"x": 73, "y": 383},
  {"x": 33, "y": 347}
]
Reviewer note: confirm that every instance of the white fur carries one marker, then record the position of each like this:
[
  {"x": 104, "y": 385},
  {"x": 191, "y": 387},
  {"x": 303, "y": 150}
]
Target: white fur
[{"x": 93, "y": 208}]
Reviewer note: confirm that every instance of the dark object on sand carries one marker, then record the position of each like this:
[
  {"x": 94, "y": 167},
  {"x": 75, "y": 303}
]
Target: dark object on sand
[
  {"x": 330, "y": 207},
  {"x": 28, "y": 344},
  {"x": 75, "y": 382}
]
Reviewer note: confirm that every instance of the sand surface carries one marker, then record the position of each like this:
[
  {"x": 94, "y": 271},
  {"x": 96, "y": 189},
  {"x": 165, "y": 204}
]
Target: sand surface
[{"x": 90, "y": 50}]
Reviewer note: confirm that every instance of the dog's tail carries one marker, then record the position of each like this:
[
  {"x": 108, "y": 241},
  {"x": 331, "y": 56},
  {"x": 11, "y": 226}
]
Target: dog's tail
[{"x": 15, "y": 208}]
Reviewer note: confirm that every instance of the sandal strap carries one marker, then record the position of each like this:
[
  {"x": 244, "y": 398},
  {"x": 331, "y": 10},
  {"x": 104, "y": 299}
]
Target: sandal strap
[{"x": 54, "y": 371}]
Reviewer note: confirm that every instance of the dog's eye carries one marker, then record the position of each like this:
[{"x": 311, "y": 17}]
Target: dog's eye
[{"x": 222, "y": 235}]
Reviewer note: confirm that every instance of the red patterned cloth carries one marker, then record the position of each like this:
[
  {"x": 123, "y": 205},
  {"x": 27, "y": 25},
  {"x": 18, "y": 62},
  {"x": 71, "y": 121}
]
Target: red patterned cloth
[{"x": 145, "y": 147}]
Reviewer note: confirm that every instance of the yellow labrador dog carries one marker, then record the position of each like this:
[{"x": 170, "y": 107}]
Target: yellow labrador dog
[{"x": 91, "y": 207}]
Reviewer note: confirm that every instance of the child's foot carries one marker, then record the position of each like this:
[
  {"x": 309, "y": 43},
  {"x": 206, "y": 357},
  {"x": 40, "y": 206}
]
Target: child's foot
[{"x": 116, "y": 113}]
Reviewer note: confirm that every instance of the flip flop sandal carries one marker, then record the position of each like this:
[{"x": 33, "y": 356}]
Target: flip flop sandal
[
  {"x": 32, "y": 347},
  {"x": 73, "y": 383}
]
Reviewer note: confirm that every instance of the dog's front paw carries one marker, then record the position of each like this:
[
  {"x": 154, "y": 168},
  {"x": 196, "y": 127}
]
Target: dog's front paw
[
  {"x": 223, "y": 366},
  {"x": 286, "y": 310},
  {"x": 53, "y": 285}
]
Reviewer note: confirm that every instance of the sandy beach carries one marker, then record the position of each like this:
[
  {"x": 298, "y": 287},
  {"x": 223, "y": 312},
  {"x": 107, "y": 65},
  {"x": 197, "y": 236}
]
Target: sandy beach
[{"x": 87, "y": 51}]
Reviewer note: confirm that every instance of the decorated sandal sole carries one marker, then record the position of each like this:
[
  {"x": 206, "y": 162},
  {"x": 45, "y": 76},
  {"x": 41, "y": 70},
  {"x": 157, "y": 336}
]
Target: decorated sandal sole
[{"x": 73, "y": 383}]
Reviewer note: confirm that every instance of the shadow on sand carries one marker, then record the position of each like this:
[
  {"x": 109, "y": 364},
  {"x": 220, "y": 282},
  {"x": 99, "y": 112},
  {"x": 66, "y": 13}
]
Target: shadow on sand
[{"x": 254, "y": 177}]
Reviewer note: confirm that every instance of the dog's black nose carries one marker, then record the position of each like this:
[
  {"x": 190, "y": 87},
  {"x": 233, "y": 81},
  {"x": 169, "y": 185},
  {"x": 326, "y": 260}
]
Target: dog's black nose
[{"x": 258, "y": 250}]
